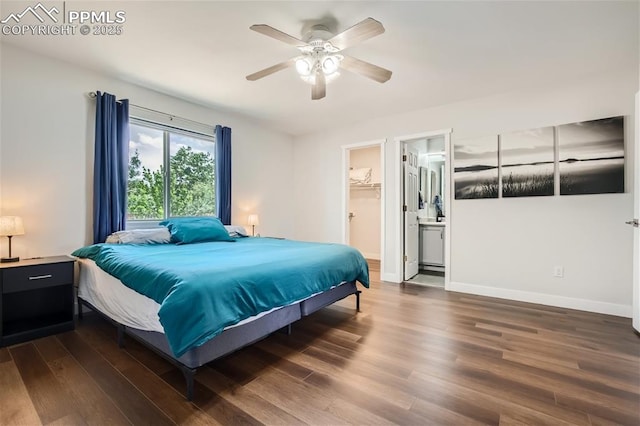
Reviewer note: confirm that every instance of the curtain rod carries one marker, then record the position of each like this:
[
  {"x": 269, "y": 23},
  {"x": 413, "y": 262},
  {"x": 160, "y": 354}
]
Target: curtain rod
[{"x": 93, "y": 95}]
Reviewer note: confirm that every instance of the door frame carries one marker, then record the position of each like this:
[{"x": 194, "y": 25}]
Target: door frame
[
  {"x": 635, "y": 304},
  {"x": 346, "y": 190},
  {"x": 397, "y": 203}
]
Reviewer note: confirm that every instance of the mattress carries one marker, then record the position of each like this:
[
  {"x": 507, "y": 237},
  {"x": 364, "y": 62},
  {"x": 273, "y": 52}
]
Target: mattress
[
  {"x": 115, "y": 300},
  {"x": 126, "y": 306}
]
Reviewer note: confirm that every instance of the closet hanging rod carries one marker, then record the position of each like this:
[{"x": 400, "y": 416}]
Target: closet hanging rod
[{"x": 93, "y": 95}]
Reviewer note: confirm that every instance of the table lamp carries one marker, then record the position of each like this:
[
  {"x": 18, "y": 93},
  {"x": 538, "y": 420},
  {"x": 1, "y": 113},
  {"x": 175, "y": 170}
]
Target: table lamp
[
  {"x": 253, "y": 221},
  {"x": 9, "y": 227}
]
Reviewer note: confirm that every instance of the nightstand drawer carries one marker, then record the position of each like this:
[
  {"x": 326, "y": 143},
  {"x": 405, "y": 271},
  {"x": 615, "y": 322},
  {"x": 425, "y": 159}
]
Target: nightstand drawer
[{"x": 36, "y": 276}]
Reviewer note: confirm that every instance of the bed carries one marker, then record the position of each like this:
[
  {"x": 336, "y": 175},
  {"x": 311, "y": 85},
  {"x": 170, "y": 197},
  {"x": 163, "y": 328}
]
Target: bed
[{"x": 195, "y": 302}]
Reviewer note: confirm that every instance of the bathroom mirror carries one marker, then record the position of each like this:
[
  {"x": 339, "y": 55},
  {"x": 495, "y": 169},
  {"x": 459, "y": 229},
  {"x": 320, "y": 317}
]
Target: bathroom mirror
[
  {"x": 422, "y": 204},
  {"x": 432, "y": 185}
]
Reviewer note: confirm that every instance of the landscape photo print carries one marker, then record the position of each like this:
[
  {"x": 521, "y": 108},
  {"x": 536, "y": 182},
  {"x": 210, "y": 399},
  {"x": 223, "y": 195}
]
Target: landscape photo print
[
  {"x": 476, "y": 168},
  {"x": 528, "y": 167},
  {"x": 591, "y": 156}
]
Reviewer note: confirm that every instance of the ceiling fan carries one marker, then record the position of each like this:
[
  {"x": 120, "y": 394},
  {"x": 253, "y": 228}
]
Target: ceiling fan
[{"x": 320, "y": 54}]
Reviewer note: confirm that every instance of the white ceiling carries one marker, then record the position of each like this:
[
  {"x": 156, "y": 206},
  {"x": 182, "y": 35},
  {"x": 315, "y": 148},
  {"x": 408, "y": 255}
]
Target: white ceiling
[{"x": 439, "y": 52}]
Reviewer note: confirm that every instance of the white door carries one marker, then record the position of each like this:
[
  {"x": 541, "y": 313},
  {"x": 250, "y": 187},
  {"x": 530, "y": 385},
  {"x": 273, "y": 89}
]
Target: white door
[
  {"x": 636, "y": 230},
  {"x": 411, "y": 240}
]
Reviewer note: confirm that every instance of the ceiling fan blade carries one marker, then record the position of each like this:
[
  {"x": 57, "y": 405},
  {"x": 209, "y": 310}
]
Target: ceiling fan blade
[
  {"x": 358, "y": 33},
  {"x": 272, "y": 69},
  {"x": 319, "y": 89},
  {"x": 277, "y": 34},
  {"x": 357, "y": 66}
]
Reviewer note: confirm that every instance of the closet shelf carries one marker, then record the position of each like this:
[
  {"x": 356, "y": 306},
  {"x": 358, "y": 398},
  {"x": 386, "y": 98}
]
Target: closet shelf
[
  {"x": 365, "y": 185},
  {"x": 362, "y": 186}
]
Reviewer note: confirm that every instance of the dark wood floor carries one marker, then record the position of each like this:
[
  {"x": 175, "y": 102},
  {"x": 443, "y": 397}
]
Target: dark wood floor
[{"x": 413, "y": 356}]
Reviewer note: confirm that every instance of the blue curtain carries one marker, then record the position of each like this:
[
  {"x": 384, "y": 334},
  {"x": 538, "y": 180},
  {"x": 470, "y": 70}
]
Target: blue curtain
[
  {"x": 110, "y": 166},
  {"x": 223, "y": 174}
]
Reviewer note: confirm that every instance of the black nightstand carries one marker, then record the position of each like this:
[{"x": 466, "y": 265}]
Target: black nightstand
[{"x": 36, "y": 298}]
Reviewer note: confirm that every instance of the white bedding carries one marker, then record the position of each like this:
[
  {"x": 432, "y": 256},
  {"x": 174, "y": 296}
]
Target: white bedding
[
  {"x": 117, "y": 301},
  {"x": 122, "y": 304}
]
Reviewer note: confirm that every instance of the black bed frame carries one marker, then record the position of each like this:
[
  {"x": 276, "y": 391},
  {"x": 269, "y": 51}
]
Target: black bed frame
[{"x": 233, "y": 338}]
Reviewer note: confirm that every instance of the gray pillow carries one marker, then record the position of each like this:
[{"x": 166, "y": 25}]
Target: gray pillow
[
  {"x": 140, "y": 236},
  {"x": 236, "y": 231}
]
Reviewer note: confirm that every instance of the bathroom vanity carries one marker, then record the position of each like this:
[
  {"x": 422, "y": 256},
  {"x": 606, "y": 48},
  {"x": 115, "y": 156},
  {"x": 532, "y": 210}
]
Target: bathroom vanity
[
  {"x": 431, "y": 187},
  {"x": 432, "y": 239}
]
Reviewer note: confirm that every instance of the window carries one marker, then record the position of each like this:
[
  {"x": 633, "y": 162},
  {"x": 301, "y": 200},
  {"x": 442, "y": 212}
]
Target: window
[{"x": 171, "y": 173}]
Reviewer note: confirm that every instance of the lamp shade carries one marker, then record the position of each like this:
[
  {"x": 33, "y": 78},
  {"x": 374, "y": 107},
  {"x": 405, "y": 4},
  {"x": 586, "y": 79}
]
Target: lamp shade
[
  {"x": 254, "y": 219},
  {"x": 11, "y": 225}
]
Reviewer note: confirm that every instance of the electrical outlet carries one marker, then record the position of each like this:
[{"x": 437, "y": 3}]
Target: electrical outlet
[{"x": 558, "y": 271}]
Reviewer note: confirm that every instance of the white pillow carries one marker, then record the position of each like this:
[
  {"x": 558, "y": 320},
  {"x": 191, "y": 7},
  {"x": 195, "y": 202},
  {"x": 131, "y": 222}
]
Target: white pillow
[
  {"x": 236, "y": 231},
  {"x": 140, "y": 236}
]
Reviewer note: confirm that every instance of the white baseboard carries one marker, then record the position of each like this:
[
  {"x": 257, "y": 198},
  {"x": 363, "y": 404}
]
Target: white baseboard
[
  {"x": 372, "y": 256},
  {"x": 544, "y": 299},
  {"x": 391, "y": 278}
]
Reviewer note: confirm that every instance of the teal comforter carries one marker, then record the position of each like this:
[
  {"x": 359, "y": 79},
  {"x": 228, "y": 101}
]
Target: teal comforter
[{"x": 203, "y": 288}]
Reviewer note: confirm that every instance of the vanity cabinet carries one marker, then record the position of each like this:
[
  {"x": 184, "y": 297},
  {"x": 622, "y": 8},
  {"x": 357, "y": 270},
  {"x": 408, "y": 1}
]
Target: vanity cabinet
[{"x": 432, "y": 245}]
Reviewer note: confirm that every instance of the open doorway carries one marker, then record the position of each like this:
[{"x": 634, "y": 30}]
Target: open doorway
[
  {"x": 425, "y": 207},
  {"x": 364, "y": 201}
]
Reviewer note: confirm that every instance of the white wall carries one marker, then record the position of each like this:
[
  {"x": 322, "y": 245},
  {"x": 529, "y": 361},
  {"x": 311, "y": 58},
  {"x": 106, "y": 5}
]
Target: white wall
[
  {"x": 506, "y": 247},
  {"x": 46, "y": 153},
  {"x": 364, "y": 228}
]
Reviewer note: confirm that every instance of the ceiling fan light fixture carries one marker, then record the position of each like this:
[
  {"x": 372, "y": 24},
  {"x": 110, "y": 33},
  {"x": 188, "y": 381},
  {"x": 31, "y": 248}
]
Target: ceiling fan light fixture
[
  {"x": 304, "y": 66},
  {"x": 328, "y": 47},
  {"x": 330, "y": 64},
  {"x": 311, "y": 78},
  {"x": 319, "y": 60}
]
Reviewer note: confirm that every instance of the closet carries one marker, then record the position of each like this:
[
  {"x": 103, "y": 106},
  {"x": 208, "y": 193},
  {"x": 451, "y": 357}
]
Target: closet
[{"x": 364, "y": 201}]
